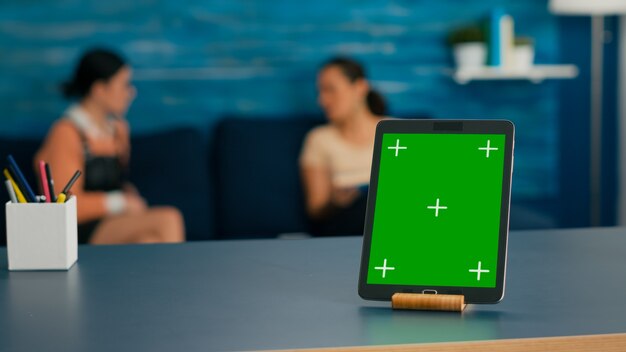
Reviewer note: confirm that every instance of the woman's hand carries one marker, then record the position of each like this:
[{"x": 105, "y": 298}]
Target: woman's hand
[
  {"x": 134, "y": 202},
  {"x": 130, "y": 188},
  {"x": 343, "y": 197}
]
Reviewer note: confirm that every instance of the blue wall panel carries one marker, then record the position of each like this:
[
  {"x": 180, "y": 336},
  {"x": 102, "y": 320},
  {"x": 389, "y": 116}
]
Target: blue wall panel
[{"x": 197, "y": 61}]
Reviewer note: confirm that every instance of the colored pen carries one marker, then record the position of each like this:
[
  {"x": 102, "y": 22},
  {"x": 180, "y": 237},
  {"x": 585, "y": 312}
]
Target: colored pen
[
  {"x": 20, "y": 196},
  {"x": 19, "y": 183},
  {"x": 43, "y": 177},
  {"x": 61, "y": 198},
  {"x": 20, "y": 180},
  {"x": 69, "y": 185},
  {"x": 11, "y": 171},
  {"x": 53, "y": 197},
  {"x": 63, "y": 195},
  {"x": 11, "y": 191}
]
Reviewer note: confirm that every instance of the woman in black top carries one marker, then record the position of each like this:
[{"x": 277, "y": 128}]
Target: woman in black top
[{"x": 93, "y": 137}]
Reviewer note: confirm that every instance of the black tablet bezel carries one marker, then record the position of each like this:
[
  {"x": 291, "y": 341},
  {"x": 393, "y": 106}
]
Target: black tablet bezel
[{"x": 472, "y": 294}]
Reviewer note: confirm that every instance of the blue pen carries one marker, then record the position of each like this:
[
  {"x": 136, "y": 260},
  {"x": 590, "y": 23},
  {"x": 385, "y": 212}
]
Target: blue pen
[
  {"x": 20, "y": 183},
  {"x": 21, "y": 180}
]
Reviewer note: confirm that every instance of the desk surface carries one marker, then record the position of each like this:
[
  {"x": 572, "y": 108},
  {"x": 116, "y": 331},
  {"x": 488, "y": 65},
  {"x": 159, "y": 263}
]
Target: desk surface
[{"x": 279, "y": 294}]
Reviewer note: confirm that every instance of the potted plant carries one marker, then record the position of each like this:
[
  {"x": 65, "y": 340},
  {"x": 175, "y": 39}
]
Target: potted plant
[
  {"x": 523, "y": 53},
  {"x": 468, "y": 45}
]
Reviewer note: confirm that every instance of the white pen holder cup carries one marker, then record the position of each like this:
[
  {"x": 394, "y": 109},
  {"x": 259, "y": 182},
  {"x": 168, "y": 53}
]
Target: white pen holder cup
[{"x": 42, "y": 236}]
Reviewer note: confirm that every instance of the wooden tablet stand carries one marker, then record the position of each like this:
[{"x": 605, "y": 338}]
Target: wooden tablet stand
[{"x": 421, "y": 301}]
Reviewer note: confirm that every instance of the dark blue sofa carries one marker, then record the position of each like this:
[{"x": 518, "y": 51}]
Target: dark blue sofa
[
  {"x": 256, "y": 177},
  {"x": 240, "y": 180},
  {"x": 167, "y": 168}
]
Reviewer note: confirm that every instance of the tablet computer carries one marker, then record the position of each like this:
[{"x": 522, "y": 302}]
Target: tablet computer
[{"x": 437, "y": 214}]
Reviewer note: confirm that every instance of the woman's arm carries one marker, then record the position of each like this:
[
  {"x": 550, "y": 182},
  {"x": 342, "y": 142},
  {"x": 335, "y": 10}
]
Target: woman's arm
[
  {"x": 317, "y": 190},
  {"x": 63, "y": 151},
  {"x": 322, "y": 199}
]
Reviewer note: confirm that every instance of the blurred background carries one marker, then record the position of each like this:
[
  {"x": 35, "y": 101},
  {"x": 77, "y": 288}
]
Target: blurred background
[{"x": 200, "y": 65}]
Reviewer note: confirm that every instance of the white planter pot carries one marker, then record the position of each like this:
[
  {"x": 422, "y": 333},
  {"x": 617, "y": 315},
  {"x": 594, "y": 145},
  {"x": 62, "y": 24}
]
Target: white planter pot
[
  {"x": 523, "y": 57},
  {"x": 470, "y": 55}
]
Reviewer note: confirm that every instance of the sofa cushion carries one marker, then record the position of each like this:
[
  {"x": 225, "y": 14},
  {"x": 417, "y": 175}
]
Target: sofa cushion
[
  {"x": 257, "y": 178},
  {"x": 170, "y": 168}
]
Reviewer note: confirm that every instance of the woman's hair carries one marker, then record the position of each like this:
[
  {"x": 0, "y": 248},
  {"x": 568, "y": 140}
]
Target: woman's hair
[
  {"x": 95, "y": 65},
  {"x": 355, "y": 71}
]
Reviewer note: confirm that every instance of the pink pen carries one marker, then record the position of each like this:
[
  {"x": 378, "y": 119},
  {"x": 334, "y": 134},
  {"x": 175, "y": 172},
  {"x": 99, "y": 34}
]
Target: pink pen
[{"x": 44, "y": 180}]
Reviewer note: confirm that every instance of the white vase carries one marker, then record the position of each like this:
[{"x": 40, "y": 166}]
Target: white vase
[
  {"x": 470, "y": 55},
  {"x": 523, "y": 57}
]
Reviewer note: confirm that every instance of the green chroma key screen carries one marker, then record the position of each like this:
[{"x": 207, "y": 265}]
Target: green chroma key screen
[{"x": 437, "y": 214}]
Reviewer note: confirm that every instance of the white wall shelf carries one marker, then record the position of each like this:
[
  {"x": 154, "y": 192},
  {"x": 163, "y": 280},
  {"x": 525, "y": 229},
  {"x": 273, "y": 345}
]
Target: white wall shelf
[{"x": 535, "y": 74}]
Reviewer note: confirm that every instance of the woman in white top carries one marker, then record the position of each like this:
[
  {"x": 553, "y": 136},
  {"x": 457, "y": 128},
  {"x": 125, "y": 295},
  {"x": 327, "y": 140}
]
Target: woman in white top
[{"x": 336, "y": 158}]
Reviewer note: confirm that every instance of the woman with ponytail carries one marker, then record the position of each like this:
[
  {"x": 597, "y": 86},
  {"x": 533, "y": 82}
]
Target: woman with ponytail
[
  {"x": 336, "y": 158},
  {"x": 93, "y": 137}
]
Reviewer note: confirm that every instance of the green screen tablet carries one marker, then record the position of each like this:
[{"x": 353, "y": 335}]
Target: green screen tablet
[{"x": 438, "y": 209}]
